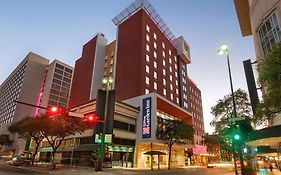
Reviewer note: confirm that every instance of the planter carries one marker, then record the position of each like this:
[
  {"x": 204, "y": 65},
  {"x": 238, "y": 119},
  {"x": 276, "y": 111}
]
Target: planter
[{"x": 250, "y": 172}]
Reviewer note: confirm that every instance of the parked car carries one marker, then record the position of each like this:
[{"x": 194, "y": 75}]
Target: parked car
[{"x": 17, "y": 161}]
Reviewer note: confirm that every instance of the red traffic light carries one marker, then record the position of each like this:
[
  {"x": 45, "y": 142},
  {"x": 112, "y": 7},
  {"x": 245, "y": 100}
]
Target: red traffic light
[
  {"x": 55, "y": 110},
  {"x": 92, "y": 118}
]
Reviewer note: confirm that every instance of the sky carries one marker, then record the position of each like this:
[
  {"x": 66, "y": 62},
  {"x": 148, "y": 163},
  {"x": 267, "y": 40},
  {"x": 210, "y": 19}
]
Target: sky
[{"x": 58, "y": 30}]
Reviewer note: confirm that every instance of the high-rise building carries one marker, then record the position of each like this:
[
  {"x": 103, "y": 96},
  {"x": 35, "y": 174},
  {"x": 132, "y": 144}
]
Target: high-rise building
[
  {"x": 36, "y": 82},
  {"x": 261, "y": 19},
  {"x": 89, "y": 71},
  {"x": 149, "y": 69},
  {"x": 24, "y": 84}
]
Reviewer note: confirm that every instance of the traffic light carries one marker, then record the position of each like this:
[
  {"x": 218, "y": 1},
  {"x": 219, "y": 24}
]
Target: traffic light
[
  {"x": 91, "y": 118},
  {"x": 236, "y": 136},
  {"x": 55, "y": 110}
]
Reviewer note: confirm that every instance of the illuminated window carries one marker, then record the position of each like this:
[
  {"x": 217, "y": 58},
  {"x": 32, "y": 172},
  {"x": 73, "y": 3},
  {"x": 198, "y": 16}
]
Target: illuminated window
[
  {"x": 164, "y": 63},
  {"x": 164, "y": 91},
  {"x": 164, "y": 72},
  {"x": 155, "y": 36},
  {"x": 155, "y": 85},
  {"x": 147, "y": 47},
  {"x": 175, "y": 58},
  {"x": 163, "y": 53},
  {"x": 155, "y": 75},
  {"x": 163, "y": 45},
  {"x": 147, "y": 37},
  {"x": 164, "y": 82},
  {"x": 170, "y": 53},
  {"x": 155, "y": 54},
  {"x": 147, "y": 80},
  {"x": 147, "y": 28},
  {"x": 170, "y": 60},
  {"x": 172, "y": 97},
  {"x": 147, "y": 69},
  {"x": 155, "y": 45},
  {"x": 147, "y": 58},
  {"x": 146, "y": 91}
]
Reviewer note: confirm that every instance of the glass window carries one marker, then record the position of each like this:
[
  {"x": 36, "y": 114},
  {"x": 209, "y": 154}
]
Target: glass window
[
  {"x": 147, "y": 80},
  {"x": 163, "y": 45},
  {"x": 155, "y": 36},
  {"x": 163, "y": 53},
  {"x": 155, "y": 54},
  {"x": 164, "y": 63},
  {"x": 147, "y": 47},
  {"x": 170, "y": 53},
  {"x": 147, "y": 28},
  {"x": 164, "y": 72},
  {"x": 146, "y": 91},
  {"x": 172, "y": 97},
  {"x": 155, "y": 75},
  {"x": 164, "y": 82},
  {"x": 68, "y": 70},
  {"x": 155, "y": 45},
  {"x": 155, "y": 85},
  {"x": 147, "y": 37},
  {"x": 155, "y": 65},
  {"x": 147, "y": 57},
  {"x": 146, "y": 69},
  {"x": 59, "y": 66},
  {"x": 269, "y": 33},
  {"x": 170, "y": 60},
  {"x": 164, "y": 91}
]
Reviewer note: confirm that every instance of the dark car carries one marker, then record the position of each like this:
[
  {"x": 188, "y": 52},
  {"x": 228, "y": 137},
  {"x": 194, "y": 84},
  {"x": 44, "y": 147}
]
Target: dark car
[{"x": 16, "y": 161}]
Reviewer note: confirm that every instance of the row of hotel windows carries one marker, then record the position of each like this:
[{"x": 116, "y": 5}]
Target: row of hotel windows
[{"x": 9, "y": 93}]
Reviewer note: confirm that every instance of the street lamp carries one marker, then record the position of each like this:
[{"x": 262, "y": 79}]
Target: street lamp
[
  {"x": 107, "y": 82},
  {"x": 223, "y": 50}
]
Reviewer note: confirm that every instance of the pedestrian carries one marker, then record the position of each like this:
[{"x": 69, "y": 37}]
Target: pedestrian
[{"x": 270, "y": 166}]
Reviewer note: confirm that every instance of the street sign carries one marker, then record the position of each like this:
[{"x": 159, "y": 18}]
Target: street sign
[
  {"x": 108, "y": 138},
  {"x": 236, "y": 119}
]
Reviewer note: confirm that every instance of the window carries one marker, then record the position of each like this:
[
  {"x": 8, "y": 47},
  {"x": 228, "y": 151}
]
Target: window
[
  {"x": 147, "y": 47},
  {"x": 177, "y": 82},
  {"x": 172, "y": 97},
  {"x": 147, "y": 57},
  {"x": 171, "y": 87},
  {"x": 164, "y": 72},
  {"x": 155, "y": 36},
  {"x": 163, "y": 53},
  {"x": 155, "y": 75},
  {"x": 269, "y": 33},
  {"x": 146, "y": 91},
  {"x": 175, "y": 58},
  {"x": 163, "y": 45},
  {"x": 177, "y": 91},
  {"x": 176, "y": 74},
  {"x": 171, "y": 78},
  {"x": 147, "y": 37},
  {"x": 155, "y": 54},
  {"x": 176, "y": 66},
  {"x": 170, "y": 53},
  {"x": 146, "y": 69},
  {"x": 164, "y": 63},
  {"x": 155, "y": 85},
  {"x": 111, "y": 62},
  {"x": 170, "y": 69},
  {"x": 155, "y": 65},
  {"x": 164, "y": 82},
  {"x": 110, "y": 70},
  {"x": 147, "y": 28},
  {"x": 147, "y": 80},
  {"x": 177, "y": 100},
  {"x": 170, "y": 60},
  {"x": 155, "y": 45},
  {"x": 164, "y": 92}
]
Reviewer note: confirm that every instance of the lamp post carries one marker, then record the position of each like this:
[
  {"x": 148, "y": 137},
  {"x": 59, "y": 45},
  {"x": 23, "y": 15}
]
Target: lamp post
[
  {"x": 223, "y": 50},
  {"x": 107, "y": 82}
]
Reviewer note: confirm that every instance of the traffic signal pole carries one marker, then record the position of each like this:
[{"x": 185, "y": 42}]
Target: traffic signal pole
[{"x": 102, "y": 151}]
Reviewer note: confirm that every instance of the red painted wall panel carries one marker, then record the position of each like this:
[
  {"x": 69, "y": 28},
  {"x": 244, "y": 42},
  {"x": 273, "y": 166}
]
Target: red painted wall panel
[{"x": 83, "y": 72}]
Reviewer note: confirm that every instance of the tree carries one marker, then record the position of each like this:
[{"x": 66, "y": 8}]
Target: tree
[
  {"x": 173, "y": 131},
  {"x": 269, "y": 70},
  {"x": 223, "y": 110},
  {"x": 5, "y": 140},
  {"x": 30, "y": 127},
  {"x": 58, "y": 128}
]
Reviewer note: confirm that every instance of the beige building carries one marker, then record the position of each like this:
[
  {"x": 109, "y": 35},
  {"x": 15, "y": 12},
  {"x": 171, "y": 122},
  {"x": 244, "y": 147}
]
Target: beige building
[{"x": 261, "y": 19}]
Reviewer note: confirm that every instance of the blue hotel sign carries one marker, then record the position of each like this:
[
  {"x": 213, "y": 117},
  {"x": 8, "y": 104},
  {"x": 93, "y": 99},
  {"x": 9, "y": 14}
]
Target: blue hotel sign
[{"x": 146, "y": 117}]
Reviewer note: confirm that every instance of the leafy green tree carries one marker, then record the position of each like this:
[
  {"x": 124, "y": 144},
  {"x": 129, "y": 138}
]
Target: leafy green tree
[
  {"x": 269, "y": 70},
  {"x": 30, "y": 127},
  {"x": 223, "y": 110},
  {"x": 173, "y": 131},
  {"x": 58, "y": 128}
]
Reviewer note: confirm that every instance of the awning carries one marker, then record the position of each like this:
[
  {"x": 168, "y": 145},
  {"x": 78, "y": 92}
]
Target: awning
[
  {"x": 155, "y": 153},
  {"x": 270, "y": 136}
]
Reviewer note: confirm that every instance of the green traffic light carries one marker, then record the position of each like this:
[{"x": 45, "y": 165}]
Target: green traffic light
[
  {"x": 256, "y": 149},
  {"x": 99, "y": 140},
  {"x": 236, "y": 137}
]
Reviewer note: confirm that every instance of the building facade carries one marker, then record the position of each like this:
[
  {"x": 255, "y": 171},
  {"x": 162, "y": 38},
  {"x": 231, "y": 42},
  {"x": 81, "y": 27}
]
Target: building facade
[
  {"x": 149, "y": 70},
  {"x": 89, "y": 71},
  {"x": 57, "y": 85},
  {"x": 262, "y": 20},
  {"x": 24, "y": 84},
  {"x": 34, "y": 81}
]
